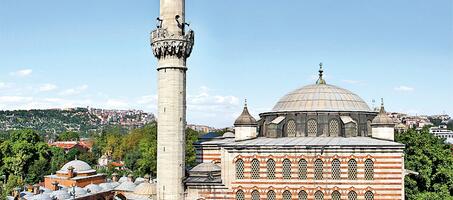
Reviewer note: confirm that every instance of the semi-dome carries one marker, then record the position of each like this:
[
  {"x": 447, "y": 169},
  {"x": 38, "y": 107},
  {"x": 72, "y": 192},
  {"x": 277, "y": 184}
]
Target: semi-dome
[
  {"x": 321, "y": 97},
  {"x": 78, "y": 166}
]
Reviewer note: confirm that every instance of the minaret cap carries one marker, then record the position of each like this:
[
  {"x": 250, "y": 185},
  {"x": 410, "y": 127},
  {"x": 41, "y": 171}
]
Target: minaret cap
[
  {"x": 245, "y": 119},
  {"x": 320, "y": 80}
]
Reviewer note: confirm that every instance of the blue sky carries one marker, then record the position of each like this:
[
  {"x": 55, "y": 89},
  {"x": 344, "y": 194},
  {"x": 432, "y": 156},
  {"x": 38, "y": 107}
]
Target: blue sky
[{"x": 57, "y": 53}]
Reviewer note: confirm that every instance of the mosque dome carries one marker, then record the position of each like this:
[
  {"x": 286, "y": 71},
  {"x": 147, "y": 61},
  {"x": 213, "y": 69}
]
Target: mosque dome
[
  {"x": 41, "y": 197},
  {"x": 245, "y": 119},
  {"x": 78, "y": 191},
  {"x": 321, "y": 97},
  {"x": 78, "y": 166},
  {"x": 228, "y": 135}
]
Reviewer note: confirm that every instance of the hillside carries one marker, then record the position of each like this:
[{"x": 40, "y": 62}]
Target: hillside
[{"x": 83, "y": 120}]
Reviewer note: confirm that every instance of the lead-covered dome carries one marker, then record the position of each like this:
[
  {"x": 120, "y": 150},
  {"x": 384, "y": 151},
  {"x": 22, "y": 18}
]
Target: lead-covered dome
[
  {"x": 321, "y": 97},
  {"x": 78, "y": 166}
]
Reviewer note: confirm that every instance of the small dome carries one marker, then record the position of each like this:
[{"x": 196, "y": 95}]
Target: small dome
[
  {"x": 206, "y": 167},
  {"x": 92, "y": 188},
  {"x": 127, "y": 186},
  {"x": 245, "y": 119},
  {"x": 228, "y": 135},
  {"x": 78, "y": 191},
  {"x": 60, "y": 195},
  {"x": 106, "y": 186},
  {"x": 41, "y": 197},
  {"x": 123, "y": 179},
  {"x": 145, "y": 188},
  {"x": 78, "y": 165},
  {"x": 382, "y": 118},
  {"x": 139, "y": 180}
]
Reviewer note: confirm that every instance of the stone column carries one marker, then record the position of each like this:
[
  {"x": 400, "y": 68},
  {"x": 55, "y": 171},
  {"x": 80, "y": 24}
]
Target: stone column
[{"x": 171, "y": 45}]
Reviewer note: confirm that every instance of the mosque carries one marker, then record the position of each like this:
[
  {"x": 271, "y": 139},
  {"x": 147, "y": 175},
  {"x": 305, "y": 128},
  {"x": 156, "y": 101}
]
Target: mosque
[{"x": 318, "y": 142}]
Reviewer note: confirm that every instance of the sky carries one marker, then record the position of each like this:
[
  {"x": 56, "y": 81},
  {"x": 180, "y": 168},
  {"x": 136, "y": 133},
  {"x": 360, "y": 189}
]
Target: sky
[{"x": 59, "y": 54}]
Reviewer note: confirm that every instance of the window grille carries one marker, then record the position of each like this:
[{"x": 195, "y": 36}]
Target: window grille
[
  {"x": 286, "y": 195},
  {"x": 239, "y": 169},
  {"x": 334, "y": 128},
  {"x": 302, "y": 169},
  {"x": 255, "y": 169},
  {"x": 369, "y": 195},
  {"x": 319, "y": 169},
  {"x": 336, "y": 169},
  {"x": 336, "y": 195},
  {"x": 352, "y": 169},
  {"x": 291, "y": 128},
  {"x": 240, "y": 195},
  {"x": 271, "y": 195},
  {"x": 319, "y": 195},
  {"x": 312, "y": 128},
  {"x": 286, "y": 169},
  {"x": 271, "y": 169},
  {"x": 255, "y": 195},
  {"x": 352, "y": 195},
  {"x": 303, "y": 195},
  {"x": 369, "y": 169}
]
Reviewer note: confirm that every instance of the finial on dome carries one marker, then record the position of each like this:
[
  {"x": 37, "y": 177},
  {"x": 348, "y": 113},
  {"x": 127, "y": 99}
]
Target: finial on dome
[
  {"x": 321, "y": 71},
  {"x": 245, "y": 103},
  {"x": 382, "y": 106}
]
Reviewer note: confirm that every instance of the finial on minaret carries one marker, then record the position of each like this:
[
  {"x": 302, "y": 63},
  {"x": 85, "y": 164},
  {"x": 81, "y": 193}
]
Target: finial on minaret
[
  {"x": 321, "y": 71},
  {"x": 245, "y": 103},
  {"x": 382, "y": 106}
]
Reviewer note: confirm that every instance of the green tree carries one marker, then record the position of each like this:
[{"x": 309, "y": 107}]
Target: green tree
[
  {"x": 57, "y": 160},
  {"x": 69, "y": 136},
  {"x": 191, "y": 138},
  {"x": 37, "y": 171},
  {"x": 433, "y": 160}
]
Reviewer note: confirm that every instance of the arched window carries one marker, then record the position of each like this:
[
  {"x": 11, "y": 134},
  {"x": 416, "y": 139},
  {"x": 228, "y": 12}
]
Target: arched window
[
  {"x": 352, "y": 169},
  {"x": 291, "y": 128},
  {"x": 369, "y": 195},
  {"x": 287, "y": 195},
  {"x": 271, "y": 169},
  {"x": 286, "y": 169},
  {"x": 240, "y": 195},
  {"x": 302, "y": 169},
  {"x": 255, "y": 195},
  {"x": 319, "y": 165},
  {"x": 303, "y": 195},
  {"x": 336, "y": 169},
  {"x": 352, "y": 195},
  {"x": 319, "y": 195},
  {"x": 369, "y": 169},
  {"x": 312, "y": 128},
  {"x": 255, "y": 169},
  {"x": 240, "y": 169},
  {"x": 336, "y": 195},
  {"x": 271, "y": 195},
  {"x": 334, "y": 128}
]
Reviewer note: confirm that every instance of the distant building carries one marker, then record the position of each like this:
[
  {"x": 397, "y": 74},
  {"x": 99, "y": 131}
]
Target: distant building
[
  {"x": 69, "y": 145},
  {"x": 441, "y": 132}
]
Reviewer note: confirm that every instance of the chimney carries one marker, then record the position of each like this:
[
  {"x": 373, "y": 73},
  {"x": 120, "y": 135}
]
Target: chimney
[
  {"x": 147, "y": 178},
  {"x": 36, "y": 190},
  {"x": 55, "y": 186},
  {"x": 115, "y": 177},
  {"x": 71, "y": 171},
  {"x": 130, "y": 178}
]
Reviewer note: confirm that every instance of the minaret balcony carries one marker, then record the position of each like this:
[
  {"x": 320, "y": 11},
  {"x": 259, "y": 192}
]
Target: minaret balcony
[{"x": 165, "y": 44}]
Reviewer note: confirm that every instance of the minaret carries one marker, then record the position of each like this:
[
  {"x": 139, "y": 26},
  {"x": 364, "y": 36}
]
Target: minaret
[{"x": 171, "y": 45}]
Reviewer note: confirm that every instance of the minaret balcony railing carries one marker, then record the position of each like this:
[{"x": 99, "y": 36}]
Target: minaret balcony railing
[{"x": 165, "y": 44}]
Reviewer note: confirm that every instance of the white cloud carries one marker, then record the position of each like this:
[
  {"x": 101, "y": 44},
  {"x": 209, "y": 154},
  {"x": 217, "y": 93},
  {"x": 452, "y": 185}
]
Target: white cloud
[
  {"x": 74, "y": 91},
  {"x": 14, "y": 99},
  {"x": 404, "y": 88},
  {"x": 47, "y": 87},
  {"x": 22, "y": 73},
  {"x": 116, "y": 104},
  {"x": 4, "y": 85}
]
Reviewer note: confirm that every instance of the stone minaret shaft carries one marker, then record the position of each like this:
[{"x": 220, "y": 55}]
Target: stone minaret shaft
[{"x": 171, "y": 45}]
